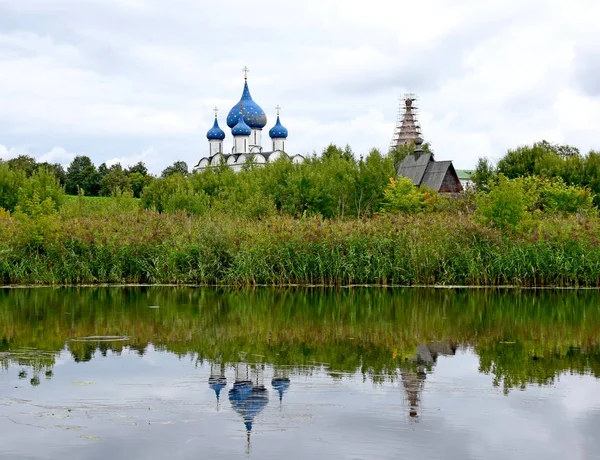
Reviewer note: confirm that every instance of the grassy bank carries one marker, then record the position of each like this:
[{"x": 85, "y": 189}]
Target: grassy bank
[{"x": 118, "y": 243}]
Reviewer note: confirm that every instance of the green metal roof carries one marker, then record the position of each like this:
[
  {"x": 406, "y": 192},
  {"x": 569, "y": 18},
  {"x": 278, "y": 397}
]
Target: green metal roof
[{"x": 464, "y": 174}]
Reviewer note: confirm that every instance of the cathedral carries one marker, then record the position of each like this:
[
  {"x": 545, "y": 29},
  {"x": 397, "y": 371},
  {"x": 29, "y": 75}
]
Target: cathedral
[{"x": 246, "y": 120}]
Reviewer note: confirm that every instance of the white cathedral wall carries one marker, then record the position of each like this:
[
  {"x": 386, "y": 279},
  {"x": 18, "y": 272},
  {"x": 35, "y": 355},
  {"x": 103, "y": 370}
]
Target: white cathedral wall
[
  {"x": 259, "y": 159},
  {"x": 279, "y": 144},
  {"x": 217, "y": 159},
  {"x": 240, "y": 144},
  {"x": 256, "y": 137},
  {"x": 274, "y": 156},
  {"x": 216, "y": 146},
  {"x": 297, "y": 159}
]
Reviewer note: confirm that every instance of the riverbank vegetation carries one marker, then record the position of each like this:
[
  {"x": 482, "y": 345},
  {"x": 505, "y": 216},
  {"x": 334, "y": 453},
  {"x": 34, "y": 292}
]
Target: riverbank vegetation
[{"x": 333, "y": 220}]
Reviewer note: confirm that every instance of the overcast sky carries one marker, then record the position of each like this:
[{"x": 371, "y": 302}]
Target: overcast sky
[{"x": 136, "y": 80}]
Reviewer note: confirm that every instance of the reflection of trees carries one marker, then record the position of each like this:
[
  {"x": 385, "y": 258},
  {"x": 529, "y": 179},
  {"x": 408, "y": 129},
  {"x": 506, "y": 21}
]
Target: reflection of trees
[{"x": 373, "y": 331}]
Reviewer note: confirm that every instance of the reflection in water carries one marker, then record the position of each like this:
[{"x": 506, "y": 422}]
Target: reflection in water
[
  {"x": 248, "y": 396},
  {"x": 217, "y": 380},
  {"x": 323, "y": 346},
  {"x": 413, "y": 376},
  {"x": 280, "y": 381}
]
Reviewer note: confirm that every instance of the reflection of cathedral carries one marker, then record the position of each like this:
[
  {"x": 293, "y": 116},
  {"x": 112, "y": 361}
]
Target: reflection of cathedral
[
  {"x": 413, "y": 377},
  {"x": 249, "y": 396},
  {"x": 246, "y": 120}
]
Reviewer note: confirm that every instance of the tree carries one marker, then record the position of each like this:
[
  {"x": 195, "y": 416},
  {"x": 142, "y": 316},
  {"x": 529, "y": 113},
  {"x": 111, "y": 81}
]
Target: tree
[
  {"x": 180, "y": 167},
  {"x": 138, "y": 182},
  {"x": 24, "y": 163},
  {"x": 333, "y": 151},
  {"x": 402, "y": 196},
  {"x": 505, "y": 205},
  {"x": 483, "y": 175},
  {"x": 82, "y": 174},
  {"x": 54, "y": 168},
  {"x": 140, "y": 168},
  {"x": 115, "y": 181},
  {"x": 373, "y": 176}
]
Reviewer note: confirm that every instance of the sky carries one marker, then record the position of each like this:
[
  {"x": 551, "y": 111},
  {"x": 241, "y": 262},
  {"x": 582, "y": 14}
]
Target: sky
[{"x": 136, "y": 80}]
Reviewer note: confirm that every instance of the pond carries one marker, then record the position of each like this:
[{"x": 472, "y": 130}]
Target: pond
[{"x": 182, "y": 373}]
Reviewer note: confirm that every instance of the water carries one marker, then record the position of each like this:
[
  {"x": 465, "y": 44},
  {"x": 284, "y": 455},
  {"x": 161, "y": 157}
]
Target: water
[{"x": 154, "y": 373}]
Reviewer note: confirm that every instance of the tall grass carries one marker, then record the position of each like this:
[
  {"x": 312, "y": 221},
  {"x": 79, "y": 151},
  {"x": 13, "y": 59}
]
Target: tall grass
[{"x": 120, "y": 243}]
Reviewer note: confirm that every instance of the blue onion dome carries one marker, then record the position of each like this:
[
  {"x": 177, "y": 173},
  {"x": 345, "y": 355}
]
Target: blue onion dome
[
  {"x": 215, "y": 133},
  {"x": 278, "y": 131},
  {"x": 253, "y": 115},
  {"x": 241, "y": 128}
]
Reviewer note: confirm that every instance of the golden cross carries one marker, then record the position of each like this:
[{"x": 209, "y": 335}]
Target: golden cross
[
  {"x": 215, "y": 110},
  {"x": 278, "y": 109},
  {"x": 245, "y": 70}
]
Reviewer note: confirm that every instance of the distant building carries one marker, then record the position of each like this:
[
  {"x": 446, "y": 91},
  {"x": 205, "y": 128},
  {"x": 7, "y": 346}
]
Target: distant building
[
  {"x": 407, "y": 126},
  {"x": 422, "y": 169},
  {"x": 246, "y": 120},
  {"x": 464, "y": 176}
]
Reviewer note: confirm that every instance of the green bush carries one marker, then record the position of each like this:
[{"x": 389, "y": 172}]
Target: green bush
[
  {"x": 11, "y": 182},
  {"x": 402, "y": 196},
  {"x": 505, "y": 205},
  {"x": 45, "y": 185}
]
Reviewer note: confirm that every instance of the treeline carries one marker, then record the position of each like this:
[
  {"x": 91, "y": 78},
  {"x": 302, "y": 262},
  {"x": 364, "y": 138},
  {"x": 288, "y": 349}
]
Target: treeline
[
  {"x": 83, "y": 177},
  {"x": 529, "y": 181},
  {"x": 545, "y": 160}
]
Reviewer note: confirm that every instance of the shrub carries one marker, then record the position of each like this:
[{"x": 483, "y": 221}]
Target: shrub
[
  {"x": 505, "y": 205},
  {"x": 45, "y": 185},
  {"x": 402, "y": 196}
]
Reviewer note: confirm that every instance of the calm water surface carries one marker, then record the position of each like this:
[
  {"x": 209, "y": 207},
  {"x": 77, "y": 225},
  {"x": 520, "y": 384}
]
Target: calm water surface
[{"x": 155, "y": 373}]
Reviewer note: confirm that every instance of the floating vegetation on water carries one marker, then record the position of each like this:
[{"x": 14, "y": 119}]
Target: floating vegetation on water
[{"x": 101, "y": 338}]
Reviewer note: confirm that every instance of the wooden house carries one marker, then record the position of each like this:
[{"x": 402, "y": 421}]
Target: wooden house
[{"x": 423, "y": 169}]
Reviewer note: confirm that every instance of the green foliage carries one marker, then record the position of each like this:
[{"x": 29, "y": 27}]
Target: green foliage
[
  {"x": 24, "y": 163},
  {"x": 138, "y": 181},
  {"x": 82, "y": 174},
  {"x": 548, "y": 161},
  {"x": 174, "y": 193},
  {"x": 83, "y": 206},
  {"x": 115, "y": 181},
  {"x": 10, "y": 183},
  {"x": 45, "y": 185},
  {"x": 402, "y": 196},
  {"x": 139, "y": 168},
  {"x": 37, "y": 221},
  {"x": 16, "y": 188},
  {"x": 505, "y": 205},
  {"x": 484, "y": 174},
  {"x": 509, "y": 201},
  {"x": 179, "y": 167}
]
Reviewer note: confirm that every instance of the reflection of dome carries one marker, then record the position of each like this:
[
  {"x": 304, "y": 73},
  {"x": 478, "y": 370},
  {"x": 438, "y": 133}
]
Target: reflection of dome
[
  {"x": 215, "y": 133},
  {"x": 248, "y": 401},
  {"x": 253, "y": 115},
  {"x": 278, "y": 131},
  {"x": 217, "y": 384},
  {"x": 241, "y": 128},
  {"x": 281, "y": 384}
]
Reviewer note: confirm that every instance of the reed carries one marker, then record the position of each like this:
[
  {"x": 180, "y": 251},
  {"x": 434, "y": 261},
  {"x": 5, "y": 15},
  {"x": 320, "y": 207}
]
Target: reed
[{"x": 130, "y": 245}]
